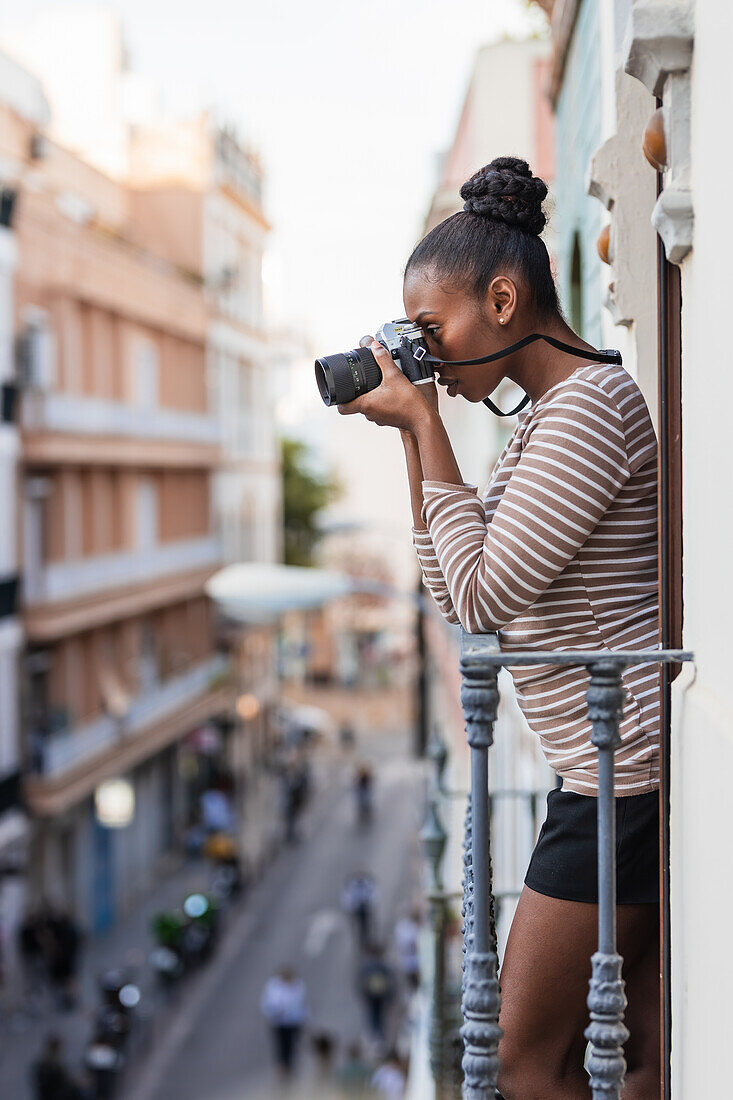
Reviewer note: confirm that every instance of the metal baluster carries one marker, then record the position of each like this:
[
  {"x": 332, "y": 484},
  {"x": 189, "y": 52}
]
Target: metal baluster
[
  {"x": 606, "y": 1000},
  {"x": 481, "y": 1001},
  {"x": 467, "y": 909}
]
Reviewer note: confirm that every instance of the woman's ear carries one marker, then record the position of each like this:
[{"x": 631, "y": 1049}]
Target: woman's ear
[{"x": 501, "y": 299}]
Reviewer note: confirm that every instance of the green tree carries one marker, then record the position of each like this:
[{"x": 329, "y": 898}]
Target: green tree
[{"x": 305, "y": 494}]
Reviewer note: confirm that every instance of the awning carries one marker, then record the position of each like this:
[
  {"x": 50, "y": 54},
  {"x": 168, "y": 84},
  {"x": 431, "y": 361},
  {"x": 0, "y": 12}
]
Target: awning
[{"x": 257, "y": 592}]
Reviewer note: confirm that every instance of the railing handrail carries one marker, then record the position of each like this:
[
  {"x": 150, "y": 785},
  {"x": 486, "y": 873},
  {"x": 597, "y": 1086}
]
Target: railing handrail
[
  {"x": 488, "y": 651},
  {"x": 481, "y": 661}
]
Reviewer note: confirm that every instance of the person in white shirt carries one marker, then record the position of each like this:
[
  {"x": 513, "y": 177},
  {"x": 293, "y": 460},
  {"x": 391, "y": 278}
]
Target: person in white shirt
[
  {"x": 284, "y": 1006},
  {"x": 359, "y": 899},
  {"x": 389, "y": 1079},
  {"x": 406, "y": 942}
]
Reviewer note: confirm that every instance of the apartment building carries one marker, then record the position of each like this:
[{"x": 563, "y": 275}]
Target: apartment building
[
  {"x": 22, "y": 107},
  {"x": 199, "y": 174},
  {"x": 119, "y": 442}
]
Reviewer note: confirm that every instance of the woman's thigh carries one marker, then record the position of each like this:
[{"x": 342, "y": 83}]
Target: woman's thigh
[{"x": 545, "y": 974}]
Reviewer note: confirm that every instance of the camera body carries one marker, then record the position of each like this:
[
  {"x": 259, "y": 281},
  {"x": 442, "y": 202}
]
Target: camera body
[{"x": 347, "y": 375}]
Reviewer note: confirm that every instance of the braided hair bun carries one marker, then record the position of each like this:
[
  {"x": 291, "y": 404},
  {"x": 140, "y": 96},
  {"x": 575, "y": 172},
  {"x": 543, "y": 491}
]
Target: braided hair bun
[{"x": 506, "y": 191}]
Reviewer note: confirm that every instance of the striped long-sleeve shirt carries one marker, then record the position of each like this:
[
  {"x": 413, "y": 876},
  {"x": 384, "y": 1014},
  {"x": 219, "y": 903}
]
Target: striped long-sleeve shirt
[{"x": 562, "y": 554}]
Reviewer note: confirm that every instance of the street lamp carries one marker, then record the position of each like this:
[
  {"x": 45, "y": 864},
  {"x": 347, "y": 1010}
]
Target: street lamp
[
  {"x": 434, "y": 838},
  {"x": 438, "y": 753}
]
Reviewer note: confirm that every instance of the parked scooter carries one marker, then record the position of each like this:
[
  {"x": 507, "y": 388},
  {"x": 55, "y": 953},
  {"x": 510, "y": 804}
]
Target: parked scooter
[
  {"x": 111, "y": 1028},
  {"x": 185, "y": 937}
]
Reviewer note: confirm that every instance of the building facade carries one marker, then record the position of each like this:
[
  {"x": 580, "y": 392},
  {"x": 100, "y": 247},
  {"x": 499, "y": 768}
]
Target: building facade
[
  {"x": 118, "y": 447},
  {"x": 147, "y": 459},
  {"x": 23, "y": 108},
  {"x": 197, "y": 173}
]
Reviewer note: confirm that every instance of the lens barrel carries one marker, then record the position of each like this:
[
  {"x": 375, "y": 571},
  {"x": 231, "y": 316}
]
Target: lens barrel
[{"x": 347, "y": 375}]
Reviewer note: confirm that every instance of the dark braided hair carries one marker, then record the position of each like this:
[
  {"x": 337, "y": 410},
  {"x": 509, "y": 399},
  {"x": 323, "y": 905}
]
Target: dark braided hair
[{"x": 498, "y": 229}]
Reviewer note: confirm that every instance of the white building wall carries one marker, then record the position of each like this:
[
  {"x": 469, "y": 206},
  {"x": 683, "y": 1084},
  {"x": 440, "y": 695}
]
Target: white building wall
[
  {"x": 78, "y": 52},
  {"x": 702, "y": 746},
  {"x": 23, "y": 95},
  {"x": 484, "y": 132}
]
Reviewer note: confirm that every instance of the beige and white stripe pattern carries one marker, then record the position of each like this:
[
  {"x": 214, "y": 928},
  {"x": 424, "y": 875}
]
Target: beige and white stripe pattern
[{"x": 562, "y": 554}]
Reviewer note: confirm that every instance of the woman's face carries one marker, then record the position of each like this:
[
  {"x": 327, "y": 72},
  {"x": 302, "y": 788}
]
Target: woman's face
[{"x": 457, "y": 327}]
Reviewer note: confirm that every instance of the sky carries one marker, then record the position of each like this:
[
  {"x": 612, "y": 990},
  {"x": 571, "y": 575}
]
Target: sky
[{"x": 349, "y": 104}]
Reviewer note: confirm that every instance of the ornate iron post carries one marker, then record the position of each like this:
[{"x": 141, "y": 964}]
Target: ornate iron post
[
  {"x": 481, "y": 659},
  {"x": 433, "y": 837},
  {"x": 606, "y": 1000},
  {"x": 481, "y": 1000},
  {"x": 467, "y": 908}
]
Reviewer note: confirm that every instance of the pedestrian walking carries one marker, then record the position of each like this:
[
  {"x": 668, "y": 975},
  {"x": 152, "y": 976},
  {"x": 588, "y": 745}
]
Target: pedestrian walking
[
  {"x": 51, "y": 1078},
  {"x": 284, "y": 1006},
  {"x": 295, "y": 788},
  {"x": 406, "y": 944},
  {"x": 364, "y": 794},
  {"x": 377, "y": 987},
  {"x": 389, "y": 1079},
  {"x": 359, "y": 899},
  {"x": 347, "y": 738}
]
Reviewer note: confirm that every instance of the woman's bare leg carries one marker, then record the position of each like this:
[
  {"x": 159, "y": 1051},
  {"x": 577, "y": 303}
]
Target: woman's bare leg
[{"x": 544, "y": 985}]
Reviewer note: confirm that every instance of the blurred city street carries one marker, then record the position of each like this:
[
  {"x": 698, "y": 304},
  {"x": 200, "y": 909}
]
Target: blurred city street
[
  {"x": 210, "y": 1040},
  {"x": 220, "y": 1048}
]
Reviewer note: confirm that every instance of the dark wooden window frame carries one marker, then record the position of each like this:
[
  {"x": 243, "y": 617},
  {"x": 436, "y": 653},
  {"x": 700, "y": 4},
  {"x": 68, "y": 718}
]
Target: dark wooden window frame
[{"x": 669, "y": 312}]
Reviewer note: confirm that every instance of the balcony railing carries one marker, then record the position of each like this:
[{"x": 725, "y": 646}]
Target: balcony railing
[
  {"x": 66, "y": 412},
  {"x": 481, "y": 660},
  {"x": 87, "y": 576},
  {"x": 66, "y": 748}
]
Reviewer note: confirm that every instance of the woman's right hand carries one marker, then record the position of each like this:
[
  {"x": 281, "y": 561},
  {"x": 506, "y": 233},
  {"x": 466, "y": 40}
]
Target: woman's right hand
[{"x": 428, "y": 389}]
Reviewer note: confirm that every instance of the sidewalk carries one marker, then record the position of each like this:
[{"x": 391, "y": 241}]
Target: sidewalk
[{"x": 127, "y": 945}]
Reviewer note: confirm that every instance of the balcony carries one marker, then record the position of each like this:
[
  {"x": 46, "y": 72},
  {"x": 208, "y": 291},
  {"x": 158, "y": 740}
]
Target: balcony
[
  {"x": 65, "y": 412},
  {"x": 69, "y": 762},
  {"x": 64, "y": 427},
  {"x": 480, "y": 663},
  {"x": 68, "y": 580},
  {"x": 62, "y": 597}
]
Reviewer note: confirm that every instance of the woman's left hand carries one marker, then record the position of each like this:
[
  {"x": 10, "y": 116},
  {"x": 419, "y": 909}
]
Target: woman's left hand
[{"x": 396, "y": 402}]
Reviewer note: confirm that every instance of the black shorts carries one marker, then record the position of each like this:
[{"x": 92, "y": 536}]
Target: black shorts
[{"x": 564, "y": 863}]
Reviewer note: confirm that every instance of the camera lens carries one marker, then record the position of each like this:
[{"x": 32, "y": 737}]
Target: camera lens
[{"x": 347, "y": 375}]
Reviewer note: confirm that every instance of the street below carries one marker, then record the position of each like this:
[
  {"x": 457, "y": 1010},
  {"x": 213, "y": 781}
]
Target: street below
[{"x": 217, "y": 1045}]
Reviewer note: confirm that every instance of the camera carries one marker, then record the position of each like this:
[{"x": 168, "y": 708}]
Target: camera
[{"x": 347, "y": 375}]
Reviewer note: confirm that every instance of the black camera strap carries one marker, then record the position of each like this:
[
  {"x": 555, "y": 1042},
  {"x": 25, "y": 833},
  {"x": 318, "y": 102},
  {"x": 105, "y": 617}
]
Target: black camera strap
[{"x": 606, "y": 355}]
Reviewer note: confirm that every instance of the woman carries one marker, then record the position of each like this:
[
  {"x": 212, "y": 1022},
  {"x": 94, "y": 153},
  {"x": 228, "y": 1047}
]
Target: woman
[{"x": 560, "y": 554}]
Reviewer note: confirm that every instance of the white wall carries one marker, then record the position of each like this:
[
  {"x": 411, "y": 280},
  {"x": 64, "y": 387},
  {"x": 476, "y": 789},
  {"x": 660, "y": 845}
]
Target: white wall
[
  {"x": 77, "y": 51},
  {"x": 702, "y": 752}
]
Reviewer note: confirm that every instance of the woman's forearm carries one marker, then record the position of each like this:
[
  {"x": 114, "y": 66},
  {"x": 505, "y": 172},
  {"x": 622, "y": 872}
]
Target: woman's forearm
[
  {"x": 415, "y": 477},
  {"x": 436, "y": 458}
]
